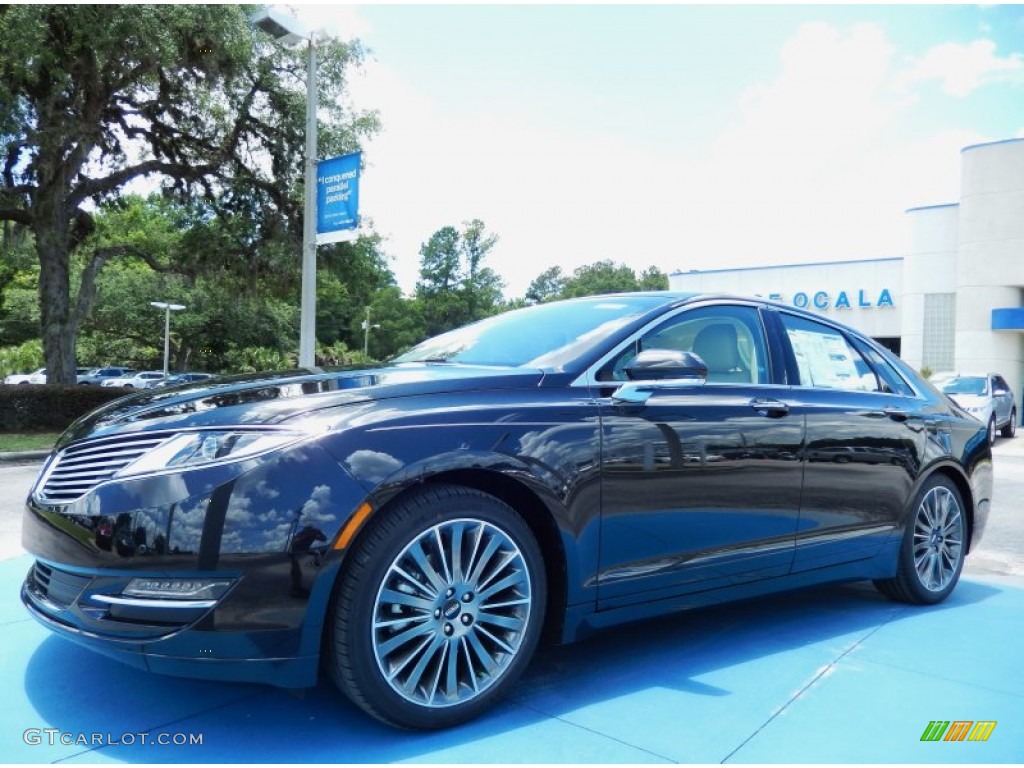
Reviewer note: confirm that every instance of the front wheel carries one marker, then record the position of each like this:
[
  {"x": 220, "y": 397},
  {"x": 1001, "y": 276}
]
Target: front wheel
[
  {"x": 992, "y": 430},
  {"x": 439, "y": 608},
  {"x": 934, "y": 545},
  {"x": 1010, "y": 428}
]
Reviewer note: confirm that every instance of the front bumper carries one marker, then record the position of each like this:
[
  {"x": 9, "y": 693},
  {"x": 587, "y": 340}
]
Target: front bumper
[
  {"x": 190, "y": 648},
  {"x": 266, "y": 526}
]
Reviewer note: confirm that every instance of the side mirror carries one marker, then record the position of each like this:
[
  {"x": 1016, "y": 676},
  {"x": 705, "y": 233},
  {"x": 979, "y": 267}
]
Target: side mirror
[
  {"x": 1000, "y": 392},
  {"x": 656, "y": 364}
]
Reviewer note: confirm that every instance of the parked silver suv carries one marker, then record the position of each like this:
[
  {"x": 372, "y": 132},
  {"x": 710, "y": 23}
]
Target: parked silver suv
[{"x": 988, "y": 398}]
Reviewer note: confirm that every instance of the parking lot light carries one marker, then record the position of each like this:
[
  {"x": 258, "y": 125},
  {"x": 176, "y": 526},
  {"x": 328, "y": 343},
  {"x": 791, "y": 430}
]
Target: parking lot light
[
  {"x": 287, "y": 30},
  {"x": 167, "y": 326}
]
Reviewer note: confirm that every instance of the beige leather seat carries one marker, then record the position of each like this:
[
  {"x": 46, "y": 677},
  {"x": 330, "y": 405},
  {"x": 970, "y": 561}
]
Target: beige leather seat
[{"x": 717, "y": 346}]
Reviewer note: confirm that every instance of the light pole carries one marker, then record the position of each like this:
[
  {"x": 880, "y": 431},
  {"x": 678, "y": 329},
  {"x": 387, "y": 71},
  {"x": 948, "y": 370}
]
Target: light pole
[
  {"x": 288, "y": 30},
  {"x": 167, "y": 327},
  {"x": 366, "y": 332}
]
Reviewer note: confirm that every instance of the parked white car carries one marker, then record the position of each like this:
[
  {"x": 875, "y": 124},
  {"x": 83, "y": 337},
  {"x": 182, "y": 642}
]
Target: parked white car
[
  {"x": 26, "y": 378},
  {"x": 98, "y": 375},
  {"x": 142, "y": 380},
  {"x": 988, "y": 398}
]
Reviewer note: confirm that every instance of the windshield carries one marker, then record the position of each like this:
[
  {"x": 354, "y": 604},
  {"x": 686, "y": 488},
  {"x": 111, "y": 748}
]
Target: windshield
[
  {"x": 965, "y": 385},
  {"x": 546, "y": 335}
]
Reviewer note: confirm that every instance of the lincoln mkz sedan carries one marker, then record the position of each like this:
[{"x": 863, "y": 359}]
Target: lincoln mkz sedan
[{"x": 415, "y": 529}]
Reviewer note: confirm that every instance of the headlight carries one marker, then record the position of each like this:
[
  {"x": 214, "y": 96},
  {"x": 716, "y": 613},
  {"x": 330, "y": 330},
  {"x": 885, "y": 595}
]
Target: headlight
[{"x": 192, "y": 449}]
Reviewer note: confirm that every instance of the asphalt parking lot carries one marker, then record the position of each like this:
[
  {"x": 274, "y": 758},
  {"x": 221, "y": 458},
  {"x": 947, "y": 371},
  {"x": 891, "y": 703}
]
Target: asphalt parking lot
[{"x": 832, "y": 675}]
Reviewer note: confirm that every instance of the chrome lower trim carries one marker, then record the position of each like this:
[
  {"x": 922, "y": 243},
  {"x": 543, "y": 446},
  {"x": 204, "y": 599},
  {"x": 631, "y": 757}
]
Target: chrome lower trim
[{"x": 142, "y": 602}]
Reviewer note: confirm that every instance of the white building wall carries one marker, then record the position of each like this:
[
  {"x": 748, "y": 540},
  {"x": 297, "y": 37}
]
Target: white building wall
[
  {"x": 990, "y": 259},
  {"x": 973, "y": 249},
  {"x": 929, "y": 267},
  {"x": 862, "y": 283}
]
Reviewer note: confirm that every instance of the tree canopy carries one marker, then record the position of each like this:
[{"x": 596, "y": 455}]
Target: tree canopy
[
  {"x": 93, "y": 97},
  {"x": 600, "y": 277},
  {"x": 206, "y": 117},
  {"x": 455, "y": 287}
]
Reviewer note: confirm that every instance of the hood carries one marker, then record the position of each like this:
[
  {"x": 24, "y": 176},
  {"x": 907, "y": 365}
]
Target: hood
[
  {"x": 276, "y": 397},
  {"x": 969, "y": 401}
]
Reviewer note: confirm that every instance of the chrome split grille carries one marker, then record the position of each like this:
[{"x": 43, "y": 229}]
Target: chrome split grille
[{"x": 82, "y": 467}]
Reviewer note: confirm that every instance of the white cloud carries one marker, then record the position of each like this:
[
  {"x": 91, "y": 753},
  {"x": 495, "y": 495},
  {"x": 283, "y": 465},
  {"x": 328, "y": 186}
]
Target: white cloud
[
  {"x": 811, "y": 169},
  {"x": 808, "y": 169},
  {"x": 341, "y": 21},
  {"x": 552, "y": 198},
  {"x": 963, "y": 68}
]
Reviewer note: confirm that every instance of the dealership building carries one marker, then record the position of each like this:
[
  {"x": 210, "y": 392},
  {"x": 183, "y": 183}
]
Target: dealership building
[{"x": 953, "y": 302}]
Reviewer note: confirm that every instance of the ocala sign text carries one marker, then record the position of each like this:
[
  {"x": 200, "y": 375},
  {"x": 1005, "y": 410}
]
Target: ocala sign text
[{"x": 823, "y": 299}]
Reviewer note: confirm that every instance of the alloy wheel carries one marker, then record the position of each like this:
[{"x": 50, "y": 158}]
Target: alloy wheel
[
  {"x": 451, "y": 612},
  {"x": 938, "y": 539}
]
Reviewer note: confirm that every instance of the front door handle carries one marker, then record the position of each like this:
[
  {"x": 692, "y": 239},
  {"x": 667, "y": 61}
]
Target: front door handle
[
  {"x": 767, "y": 407},
  {"x": 896, "y": 414}
]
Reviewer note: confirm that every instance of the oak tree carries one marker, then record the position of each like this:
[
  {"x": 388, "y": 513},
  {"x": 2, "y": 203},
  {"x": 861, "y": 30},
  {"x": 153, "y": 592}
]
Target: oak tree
[{"x": 95, "y": 97}]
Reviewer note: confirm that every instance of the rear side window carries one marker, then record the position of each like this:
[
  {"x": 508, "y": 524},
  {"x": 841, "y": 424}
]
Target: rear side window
[
  {"x": 825, "y": 358},
  {"x": 890, "y": 379}
]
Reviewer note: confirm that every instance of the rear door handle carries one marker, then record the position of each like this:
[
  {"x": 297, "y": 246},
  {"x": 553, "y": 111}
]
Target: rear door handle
[{"x": 767, "y": 407}]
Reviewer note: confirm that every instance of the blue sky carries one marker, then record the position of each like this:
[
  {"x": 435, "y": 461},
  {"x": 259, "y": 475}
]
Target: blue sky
[{"x": 688, "y": 137}]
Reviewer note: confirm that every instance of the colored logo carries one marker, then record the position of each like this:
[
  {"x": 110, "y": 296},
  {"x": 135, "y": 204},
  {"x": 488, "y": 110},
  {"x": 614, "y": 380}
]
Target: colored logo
[{"x": 958, "y": 730}]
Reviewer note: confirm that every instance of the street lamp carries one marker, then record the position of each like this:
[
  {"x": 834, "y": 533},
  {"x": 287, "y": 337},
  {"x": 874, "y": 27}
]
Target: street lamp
[
  {"x": 287, "y": 30},
  {"x": 366, "y": 332},
  {"x": 167, "y": 326}
]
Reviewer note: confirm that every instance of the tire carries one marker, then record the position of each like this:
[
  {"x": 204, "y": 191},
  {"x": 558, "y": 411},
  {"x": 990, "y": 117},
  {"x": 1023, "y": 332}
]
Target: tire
[
  {"x": 1010, "y": 428},
  {"x": 404, "y": 608},
  {"x": 931, "y": 556},
  {"x": 992, "y": 430}
]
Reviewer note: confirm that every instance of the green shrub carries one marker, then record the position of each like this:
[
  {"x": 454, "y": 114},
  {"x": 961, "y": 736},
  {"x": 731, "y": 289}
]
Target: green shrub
[
  {"x": 23, "y": 358},
  {"x": 42, "y": 407},
  {"x": 338, "y": 353},
  {"x": 255, "y": 359}
]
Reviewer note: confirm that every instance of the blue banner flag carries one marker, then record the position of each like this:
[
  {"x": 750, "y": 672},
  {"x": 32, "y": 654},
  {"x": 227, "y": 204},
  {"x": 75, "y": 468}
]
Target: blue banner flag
[{"x": 337, "y": 198}]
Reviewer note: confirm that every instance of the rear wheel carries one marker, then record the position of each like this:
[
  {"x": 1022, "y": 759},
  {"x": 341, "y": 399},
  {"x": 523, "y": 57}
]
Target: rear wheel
[
  {"x": 439, "y": 608},
  {"x": 934, "y": 545},
  {"x": 1010, "y": 428}
]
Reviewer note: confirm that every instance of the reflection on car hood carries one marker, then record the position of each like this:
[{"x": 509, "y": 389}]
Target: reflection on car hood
[
  {"x": 969, "y": 401},
  {"x": 275, "y": 397}
]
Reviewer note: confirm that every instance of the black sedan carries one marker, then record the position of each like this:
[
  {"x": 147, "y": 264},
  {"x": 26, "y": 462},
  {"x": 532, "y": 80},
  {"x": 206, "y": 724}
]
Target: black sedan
[{"x": 415, "y": 528}]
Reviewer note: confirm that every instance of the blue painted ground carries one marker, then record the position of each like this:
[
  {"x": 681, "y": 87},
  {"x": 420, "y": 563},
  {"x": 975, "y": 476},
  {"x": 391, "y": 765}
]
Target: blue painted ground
[{"x": 831, "y": 675}]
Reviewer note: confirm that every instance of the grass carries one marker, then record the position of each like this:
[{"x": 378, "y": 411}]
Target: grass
[{"x": 27, "y": 441}]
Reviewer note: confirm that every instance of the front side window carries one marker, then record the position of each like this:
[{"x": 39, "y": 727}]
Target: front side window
[
  {"x": 826, "y": 359},
  {"x": 729, "y": 339}
]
